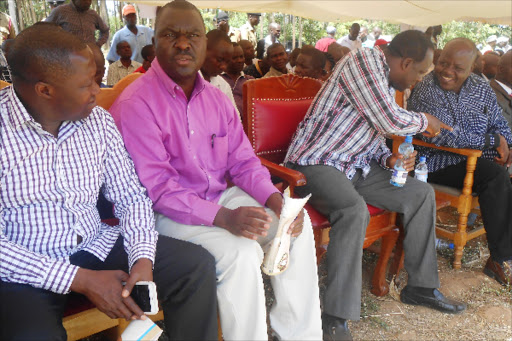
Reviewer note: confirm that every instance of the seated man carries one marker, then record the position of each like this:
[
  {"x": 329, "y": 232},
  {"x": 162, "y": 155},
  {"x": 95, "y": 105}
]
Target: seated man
[
  {"x": 235, "y": 77},
  {"x": 465, "y": 101},
  {"x": 340, "y": 148},
  {"x": 99, "y": 60},
  {"x": 62, "y": 150},
  {"x": 491, "y": 60},
  {"x": 148, "y": 54},
  {"x": 277, "y": 58},
  {"x": 502, "y": 86},
  {"x": 310, "y": 63},
  {"x": 248, "y": 52},
  {"x": 219, "y": 51},
  {"x": 191, "y": 142},
  {"x": 124, "y": 66}
]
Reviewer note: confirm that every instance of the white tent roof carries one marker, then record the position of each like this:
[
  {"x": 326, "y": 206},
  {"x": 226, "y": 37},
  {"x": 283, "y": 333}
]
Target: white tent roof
[{"x": 412, "y": 12}]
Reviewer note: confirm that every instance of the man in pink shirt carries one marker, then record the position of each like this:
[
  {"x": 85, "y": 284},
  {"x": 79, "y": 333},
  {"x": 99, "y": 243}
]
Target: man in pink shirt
[{"x": 186, "y": 140}]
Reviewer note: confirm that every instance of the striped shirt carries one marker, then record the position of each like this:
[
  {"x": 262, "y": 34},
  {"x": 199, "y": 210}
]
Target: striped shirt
[
  {"x": 346, "y": 122},
  {"x": 474, "y": 115},
  {"x": 82, "y": 24},
  {"x": 49, "y": 190}
]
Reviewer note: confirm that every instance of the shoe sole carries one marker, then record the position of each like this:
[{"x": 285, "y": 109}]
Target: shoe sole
[
  {"x": 491, "y": 274},
  {"x": 410, "y": 301}
]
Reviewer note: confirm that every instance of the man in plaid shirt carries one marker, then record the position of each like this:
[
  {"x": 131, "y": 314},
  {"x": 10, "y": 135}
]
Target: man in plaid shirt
[
  {"x": 465, "y": 101},
  {"x": 340, "y": 148}
]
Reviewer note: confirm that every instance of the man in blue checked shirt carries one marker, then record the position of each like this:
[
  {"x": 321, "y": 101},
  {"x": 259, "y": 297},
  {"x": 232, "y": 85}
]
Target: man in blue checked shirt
[
  {"x": 467, "y": 103},
  {"x": 57, "y": 151}
]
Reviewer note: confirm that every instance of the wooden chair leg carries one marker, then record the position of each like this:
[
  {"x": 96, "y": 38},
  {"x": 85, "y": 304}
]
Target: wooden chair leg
[
  {"x": 380, "y": 286},
  {"x": 398, "y": 259}
]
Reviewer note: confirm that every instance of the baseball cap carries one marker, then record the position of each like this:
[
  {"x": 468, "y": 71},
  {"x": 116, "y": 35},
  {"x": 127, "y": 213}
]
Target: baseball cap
[
  {"x": 128, "y": 9},
  {"x": 380, "y": 42},
  {"x": 255, "y": 14},
  {"x": 222, "y": 16}
]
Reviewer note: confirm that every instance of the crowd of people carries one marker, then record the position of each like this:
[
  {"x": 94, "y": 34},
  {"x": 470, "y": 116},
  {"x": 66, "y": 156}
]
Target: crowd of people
[{"x": 196, "y": 208}]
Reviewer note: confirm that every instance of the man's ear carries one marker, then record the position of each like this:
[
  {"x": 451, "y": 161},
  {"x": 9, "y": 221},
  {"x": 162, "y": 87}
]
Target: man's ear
[
  {"x": 44, "y": 90},
  {"x": 406, "y": 63}
]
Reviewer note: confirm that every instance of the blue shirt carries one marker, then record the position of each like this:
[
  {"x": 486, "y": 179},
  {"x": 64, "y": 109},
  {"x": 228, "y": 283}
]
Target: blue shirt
[
  {"x": 137, "y": 42},
  {"x": 473, "y": 113}
]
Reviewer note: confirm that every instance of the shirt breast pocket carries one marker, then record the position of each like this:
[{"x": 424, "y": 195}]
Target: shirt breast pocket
[{"x": 219, "y": 153}]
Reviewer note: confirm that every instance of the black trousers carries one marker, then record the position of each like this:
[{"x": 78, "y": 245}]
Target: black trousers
[
  {"x": 186, "y": 286},
  {"x": 492, "y": 184}
]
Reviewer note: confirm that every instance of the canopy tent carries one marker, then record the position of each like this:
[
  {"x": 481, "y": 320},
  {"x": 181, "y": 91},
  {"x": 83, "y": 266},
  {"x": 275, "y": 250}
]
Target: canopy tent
[{"x": 411, "y": 12}]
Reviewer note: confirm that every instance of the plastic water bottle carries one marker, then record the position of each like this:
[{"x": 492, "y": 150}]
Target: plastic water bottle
[
  {"x": 399, "y": 176},
  {"x": 442, "y": 244},
  {"x": 421, "y": 170}
]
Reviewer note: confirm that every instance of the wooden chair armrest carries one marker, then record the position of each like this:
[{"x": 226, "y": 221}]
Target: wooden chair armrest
[
  {"x": 292, "y": 177},
  {"x": 461, "y": 151}
]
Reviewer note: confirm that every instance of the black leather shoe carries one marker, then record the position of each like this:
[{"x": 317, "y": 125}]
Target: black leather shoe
[
  {"x": 431, "y": 298},
  {"x": 335, "y": 329}
]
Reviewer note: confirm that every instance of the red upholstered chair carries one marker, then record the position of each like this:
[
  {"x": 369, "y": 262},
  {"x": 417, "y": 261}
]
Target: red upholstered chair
[{"x": 273, "y": 107}]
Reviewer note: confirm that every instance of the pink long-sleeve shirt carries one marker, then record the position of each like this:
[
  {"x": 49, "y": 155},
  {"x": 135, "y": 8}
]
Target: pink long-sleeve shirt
[{"x": 184, "y": 150}]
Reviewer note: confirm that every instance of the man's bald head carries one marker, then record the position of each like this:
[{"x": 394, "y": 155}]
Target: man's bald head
[
  {"x": 491, "y": 61},
  {"x": 42, "y": 53},
  {"x": 455, "y": 64}
]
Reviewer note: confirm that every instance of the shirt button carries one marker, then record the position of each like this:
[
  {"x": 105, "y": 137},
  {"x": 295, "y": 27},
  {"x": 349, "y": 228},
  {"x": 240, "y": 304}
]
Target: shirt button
[
  {"x": 209, "y": 177},
  {"x": 207, "y": 198},
  {"x": 194, "y": 157},
  {"x": 192, "y": 132}
]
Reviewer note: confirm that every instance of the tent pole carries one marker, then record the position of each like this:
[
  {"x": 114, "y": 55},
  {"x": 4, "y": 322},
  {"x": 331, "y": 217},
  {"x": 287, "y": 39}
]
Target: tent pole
[
  {"x": 300, "y": 32},
  {"x": 294, "y": 21}
]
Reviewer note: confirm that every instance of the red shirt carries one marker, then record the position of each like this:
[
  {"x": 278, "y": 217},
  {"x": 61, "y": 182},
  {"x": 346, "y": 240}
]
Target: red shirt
[
  {"x": 140, "y": 70},
  {"x": 324, "y": 43}
]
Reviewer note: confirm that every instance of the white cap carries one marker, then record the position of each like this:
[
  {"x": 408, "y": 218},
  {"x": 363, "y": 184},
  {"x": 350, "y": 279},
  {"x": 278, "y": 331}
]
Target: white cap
[
  {"x": 502, "y": 40},
  {"x": 491, "y": 39}
]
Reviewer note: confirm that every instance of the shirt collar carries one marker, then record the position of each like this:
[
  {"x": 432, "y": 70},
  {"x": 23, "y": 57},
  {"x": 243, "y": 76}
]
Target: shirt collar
[
  {"x": 506, "y": 88},
  {"x": 171, "y": 85},
  {"x": 120, "y": 64},
  {"x": 19, "y": 115}
]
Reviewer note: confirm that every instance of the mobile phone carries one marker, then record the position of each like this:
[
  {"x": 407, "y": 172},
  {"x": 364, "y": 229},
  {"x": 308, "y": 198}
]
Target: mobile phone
[{"x": 144, "y": 295}]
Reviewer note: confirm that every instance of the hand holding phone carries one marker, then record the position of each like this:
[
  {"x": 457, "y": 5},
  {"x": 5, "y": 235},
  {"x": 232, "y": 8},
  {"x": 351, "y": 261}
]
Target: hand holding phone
[{"x": 144, "y": 295}]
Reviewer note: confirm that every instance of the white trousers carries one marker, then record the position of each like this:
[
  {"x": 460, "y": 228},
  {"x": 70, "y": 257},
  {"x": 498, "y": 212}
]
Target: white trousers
[{"x": 295, "y": 314}]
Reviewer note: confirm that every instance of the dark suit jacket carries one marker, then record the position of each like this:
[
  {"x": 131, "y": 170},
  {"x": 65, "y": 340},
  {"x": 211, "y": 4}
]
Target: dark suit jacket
[{"x": 504, "y": 100}]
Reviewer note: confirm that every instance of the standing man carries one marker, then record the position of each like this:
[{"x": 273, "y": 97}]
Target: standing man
[
  {"x": 136, "y": 35},
  {"x": 323, "y": 44},
  {"x": 247, "y": 31},
  {"x": 222, "y": 24},
  {"x": 77, "y": 18},
  {"x": 277, "y": 58},
  {"x": 502, "y": 86},
  {"x": 124, "y": 66},
  {"x": 63, "y": 150},
  {"x": 271, "y": 38},
  {"x": 463, "y": 100},
  {"x": 235, "y": 76},
  {"x": 340, "y": 148},
  {"x": 351, "y": 40},
  {"x": 191, "y": 142}
]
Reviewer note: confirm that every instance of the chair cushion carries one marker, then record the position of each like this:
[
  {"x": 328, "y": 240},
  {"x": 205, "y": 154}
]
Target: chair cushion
[{"x": 273, "y": 125}]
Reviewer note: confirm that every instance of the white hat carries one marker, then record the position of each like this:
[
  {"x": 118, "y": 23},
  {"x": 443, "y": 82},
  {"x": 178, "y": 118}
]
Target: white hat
[
  {"x": 502, "y": 40},
  {"x": 491, "y": 39}
]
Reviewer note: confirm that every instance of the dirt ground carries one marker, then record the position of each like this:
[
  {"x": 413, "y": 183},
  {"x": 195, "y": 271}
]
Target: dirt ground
[{"x": 488, "y": 316}]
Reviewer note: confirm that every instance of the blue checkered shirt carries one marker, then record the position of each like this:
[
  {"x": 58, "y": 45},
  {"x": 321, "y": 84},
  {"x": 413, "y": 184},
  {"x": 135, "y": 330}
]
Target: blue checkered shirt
[{"x": 474, "y": 115}]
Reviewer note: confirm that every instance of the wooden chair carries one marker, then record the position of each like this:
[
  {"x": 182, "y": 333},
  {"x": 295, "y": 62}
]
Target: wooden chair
[
  {"x": 3, "y": 84},
  {"x": 107, "y": 96},
  {"x": 463, "y": 200},
  {"x": 273, "y": 107}
]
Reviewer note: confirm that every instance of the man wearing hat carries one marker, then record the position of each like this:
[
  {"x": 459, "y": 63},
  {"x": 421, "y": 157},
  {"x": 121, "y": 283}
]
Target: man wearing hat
[
  {"x": 502, "y": 44},
  {"x": 222, "y": 22},
  {"x": 491, "y": 43},
  {"x": 323, "y": 44},
  {"x": 247, "y": 31},
  {"x": 136, "y": 35}
]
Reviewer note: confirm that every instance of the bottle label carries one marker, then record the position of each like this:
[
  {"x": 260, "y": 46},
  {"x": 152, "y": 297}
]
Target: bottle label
[
  {"x": 421, "y": 177},
  {"x": 399, "y": 177}
]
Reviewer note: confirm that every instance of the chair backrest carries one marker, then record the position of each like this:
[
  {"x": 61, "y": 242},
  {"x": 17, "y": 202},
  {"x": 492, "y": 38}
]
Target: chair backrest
[
  {"x": 3, "y": 84},
  {"x": 273, "y": 107},
  {"x": 107, "y": 96}
]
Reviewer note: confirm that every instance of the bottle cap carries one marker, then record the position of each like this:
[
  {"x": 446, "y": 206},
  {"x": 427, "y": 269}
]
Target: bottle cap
[
  {"x": 423, "y": 159},
  {"x": 408, "y": 138}
]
